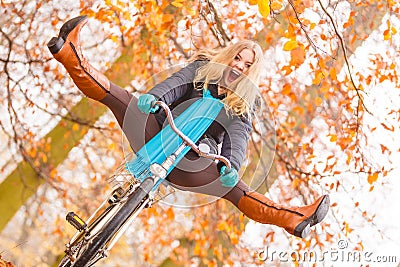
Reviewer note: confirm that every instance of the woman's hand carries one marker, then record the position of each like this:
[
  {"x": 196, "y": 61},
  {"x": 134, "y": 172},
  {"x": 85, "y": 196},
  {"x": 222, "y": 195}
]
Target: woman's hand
[
  {"x": 228, "y": 178},
  {"x": 145, "y": 102}
]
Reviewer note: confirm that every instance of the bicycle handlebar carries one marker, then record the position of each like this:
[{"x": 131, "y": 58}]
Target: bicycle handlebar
[{"x": 187, "y": 140}]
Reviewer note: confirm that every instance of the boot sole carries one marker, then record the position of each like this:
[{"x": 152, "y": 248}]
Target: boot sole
[
  {"x": 321, "y": 211},
  {"x": 303, "y": 229},
  {"x": 56, "y": 43}
]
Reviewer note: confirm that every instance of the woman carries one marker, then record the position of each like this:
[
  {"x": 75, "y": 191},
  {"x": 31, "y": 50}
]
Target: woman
[{"x": 231, "y": 128}]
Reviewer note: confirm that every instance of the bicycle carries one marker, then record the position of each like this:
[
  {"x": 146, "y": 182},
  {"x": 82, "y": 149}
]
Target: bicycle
[{"x": 96, "y": 236}]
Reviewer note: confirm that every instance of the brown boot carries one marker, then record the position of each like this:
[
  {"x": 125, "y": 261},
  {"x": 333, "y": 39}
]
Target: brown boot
[
  {"x": 296, "y": 221},
  {"x": 66, "y": 49}
]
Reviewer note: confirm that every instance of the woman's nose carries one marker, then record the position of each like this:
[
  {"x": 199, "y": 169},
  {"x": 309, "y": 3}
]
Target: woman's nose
[{"x": 240, "y": 65}]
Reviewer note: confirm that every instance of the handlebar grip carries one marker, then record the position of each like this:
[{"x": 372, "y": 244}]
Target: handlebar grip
[{"x": 154, "y": 107}]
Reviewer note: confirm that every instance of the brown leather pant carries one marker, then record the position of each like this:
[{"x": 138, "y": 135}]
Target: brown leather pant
[{"x": 192, "y": 173}]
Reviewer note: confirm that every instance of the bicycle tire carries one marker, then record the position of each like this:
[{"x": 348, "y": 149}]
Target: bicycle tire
[
  {"x": 65, "y": 262},
  {"x": 115, "y": 223}
]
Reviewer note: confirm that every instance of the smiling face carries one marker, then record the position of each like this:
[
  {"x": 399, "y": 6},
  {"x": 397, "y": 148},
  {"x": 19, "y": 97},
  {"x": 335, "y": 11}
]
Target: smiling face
[{"x": 240, "y": 64}]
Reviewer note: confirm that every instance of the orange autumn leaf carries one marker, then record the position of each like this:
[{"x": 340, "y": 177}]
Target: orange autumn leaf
[
  {"x": 275, "y": 5},
  {"x": 170, "y": 214},
  {"x": 318, "y": 101},
  {"x": 386, "y": 34},
  {"x": 372, "y": 178},
  {"x": 287, "y": 70},
  {"x": 387, "y": 127},
  {"x": 298, "y": 56},
  {"x": 332, "y": 73},
  {"x": 287, "y": 89},
  {"x": 234, "y": 239},
  {"x": 319, "y": 75},
  {"x": 75, "y": 127},
  {"x": 384, "y": 149},
  {"x": 323, "y": 37},
  {"x": 371, "y": 188}
]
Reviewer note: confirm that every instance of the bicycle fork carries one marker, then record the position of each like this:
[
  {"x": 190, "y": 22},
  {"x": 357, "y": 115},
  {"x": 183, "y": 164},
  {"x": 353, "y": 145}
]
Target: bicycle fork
[{"x": 88, "y": 231}]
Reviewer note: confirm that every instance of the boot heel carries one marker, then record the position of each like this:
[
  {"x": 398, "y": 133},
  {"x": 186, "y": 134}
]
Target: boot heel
[
  {"x": 55, "y": 44},
  {"x": 303, "y": 229}
]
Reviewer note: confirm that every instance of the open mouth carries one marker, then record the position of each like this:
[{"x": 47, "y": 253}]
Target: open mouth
[{"x": 233, "y": 75}]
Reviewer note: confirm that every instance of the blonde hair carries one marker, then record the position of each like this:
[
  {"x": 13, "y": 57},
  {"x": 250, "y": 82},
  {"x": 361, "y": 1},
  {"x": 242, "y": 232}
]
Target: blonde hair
[{"x": 242, "y": 96}]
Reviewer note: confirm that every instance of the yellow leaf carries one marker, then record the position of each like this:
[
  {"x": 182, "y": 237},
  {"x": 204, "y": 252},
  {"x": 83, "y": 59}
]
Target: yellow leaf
[
  {"x": 112, "y": 146},
  {"x": 197, "y": 250},
  {"x": 114, "y": 38},
  {"x": 333, "y": 138},
  {"x": 221, "y": 226},
  {"x": 191, "y": 12},
  {"x": 372, "y": 178},
  {"x": 177, "y": 3},
  {"x": 347, "y": 229},
  {"x": 290, "y": 45},
  {"x": 263, "y": 7}
]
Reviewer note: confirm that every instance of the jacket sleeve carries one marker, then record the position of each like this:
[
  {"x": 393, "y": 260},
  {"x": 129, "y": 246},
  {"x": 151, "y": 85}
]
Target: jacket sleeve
[
  {"x": 175, "y": 86},
  {"x": 235, "y": 142}
]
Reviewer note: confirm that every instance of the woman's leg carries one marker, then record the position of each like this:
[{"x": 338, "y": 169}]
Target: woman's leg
[
  {"x": 295, "y": 220},
  {"x": 137, "y": 126},
  {"x": 66, "y": 49}
]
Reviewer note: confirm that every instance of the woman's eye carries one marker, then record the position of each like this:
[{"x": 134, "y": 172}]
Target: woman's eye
[{"x": 248, "y": 65}]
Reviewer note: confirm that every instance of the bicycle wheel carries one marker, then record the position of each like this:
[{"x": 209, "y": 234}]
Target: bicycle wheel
[
  {"x": 65, "y": 262},
  {"x": 115, "y": 223}
]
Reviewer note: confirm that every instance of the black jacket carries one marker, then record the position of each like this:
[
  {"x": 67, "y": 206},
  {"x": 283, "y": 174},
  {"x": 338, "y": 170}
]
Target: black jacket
[{"x": 230, "y": 130}]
